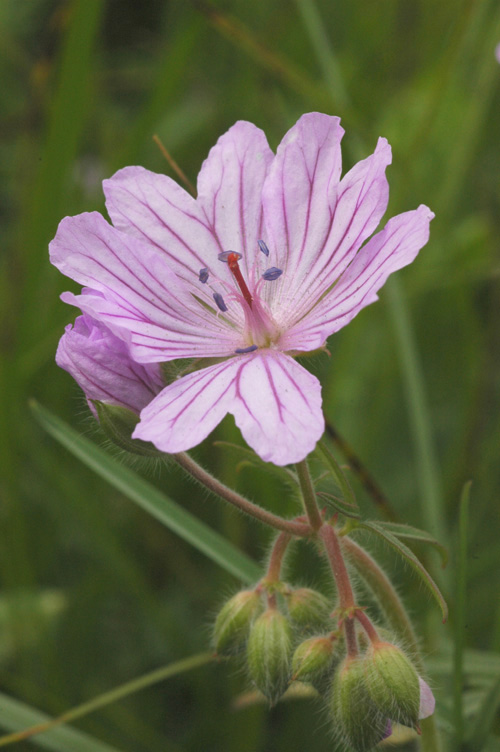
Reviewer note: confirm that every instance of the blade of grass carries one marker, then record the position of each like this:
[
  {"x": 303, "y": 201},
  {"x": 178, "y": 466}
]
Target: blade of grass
[
  {"x": 101, "y": 701},
  {"x": 67, "y": 117},
  {"x": 459, "y": 617},
  {"x": 177, "y": 519},
  {"x": 16, "y": 715},
  {"x": 427, "y": 469}
]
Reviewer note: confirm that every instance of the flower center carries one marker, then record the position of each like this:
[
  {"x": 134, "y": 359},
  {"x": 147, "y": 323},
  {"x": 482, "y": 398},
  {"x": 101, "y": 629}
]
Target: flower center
[{"x": 260, "y": 328}]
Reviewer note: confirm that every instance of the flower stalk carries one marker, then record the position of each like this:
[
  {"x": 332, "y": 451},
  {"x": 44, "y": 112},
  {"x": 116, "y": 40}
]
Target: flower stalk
[
  {"x": 244, "y": 505},
  {"x": 308, "y": 495},
  {"x": 276, "y": 559}
]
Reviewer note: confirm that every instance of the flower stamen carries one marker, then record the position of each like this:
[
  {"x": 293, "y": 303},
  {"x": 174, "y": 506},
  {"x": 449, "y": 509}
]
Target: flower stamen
[
  {"x": 219, "y": 300},
  {"x": 271, "y": 274},
  {"x": 263, "y": 247},
  {"x": 243, "y": 350}
]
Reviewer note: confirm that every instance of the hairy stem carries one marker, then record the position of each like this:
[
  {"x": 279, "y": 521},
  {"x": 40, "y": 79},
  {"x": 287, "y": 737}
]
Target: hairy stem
[
  {"x": 244, "y": 505},
  {"x": 367, "y": 625},
  {"x": 276, "y": 559},
  {"x": 308, "y": 495},
  {"x": 383, "y": 590},
  {"x": 340, "y": 574}
]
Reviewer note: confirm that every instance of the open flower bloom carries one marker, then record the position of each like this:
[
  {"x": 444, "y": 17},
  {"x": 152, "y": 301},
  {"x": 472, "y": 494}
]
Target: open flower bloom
[{"x": 267, "y": 262}]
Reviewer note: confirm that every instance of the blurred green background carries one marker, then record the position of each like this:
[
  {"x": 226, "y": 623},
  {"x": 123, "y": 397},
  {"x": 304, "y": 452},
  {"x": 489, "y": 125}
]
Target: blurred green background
[{"x": 96, "y": 592}]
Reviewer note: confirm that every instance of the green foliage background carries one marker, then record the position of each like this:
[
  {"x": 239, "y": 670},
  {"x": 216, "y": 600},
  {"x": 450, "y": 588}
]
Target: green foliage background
[{"x": 96, "y": 592}]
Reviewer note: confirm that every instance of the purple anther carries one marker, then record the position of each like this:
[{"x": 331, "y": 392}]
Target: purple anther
[
  {"x": 242, "y": 350},
  {"x": 263, "y": 247},
  {"x": 219, "y": 300},
  {"x": 271, "y": 274},
  {"x": 225, "y": 255},
  {"x": 203, "y": 276}
]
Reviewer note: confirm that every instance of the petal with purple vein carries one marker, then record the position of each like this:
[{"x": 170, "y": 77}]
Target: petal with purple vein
[
  {"x": 389, "y": 250},
  {"x": 275, "y": 402},
  {"x": 230, "y": 190}
]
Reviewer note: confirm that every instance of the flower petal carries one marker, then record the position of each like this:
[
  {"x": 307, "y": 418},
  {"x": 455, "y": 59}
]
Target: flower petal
[
  {"x": 157, "y": 210},
  {"x": 391, "y": 249},
  {"x": 103, "y": 368},
  {"x": 230, "y": 188},
  {"x": 427, "y": 700},
  {"x": 139, "y": 298},
  {"x": 318, "y": 223},
  {"x": 275, "y": 402},
  {"x": 297, "y": 210}
]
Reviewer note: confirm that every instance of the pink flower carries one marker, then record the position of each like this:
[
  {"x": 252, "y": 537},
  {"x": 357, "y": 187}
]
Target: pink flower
[
  {"x": 266, "y": 263},
  {"x": 100, "y": 364}
]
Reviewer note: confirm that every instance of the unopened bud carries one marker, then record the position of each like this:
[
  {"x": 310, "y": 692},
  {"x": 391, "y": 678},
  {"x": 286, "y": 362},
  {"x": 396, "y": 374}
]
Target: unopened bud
[
  {"x": 269, "y": 652},
  {"x": 118, "y": 424},
  {"x": 233, "y": 622},
  {"x": 308, "y": 608},
  {"x": 359, "y": 718},
  {"x": 393, "y": 683},
  {"x": 312, "y": 660}
]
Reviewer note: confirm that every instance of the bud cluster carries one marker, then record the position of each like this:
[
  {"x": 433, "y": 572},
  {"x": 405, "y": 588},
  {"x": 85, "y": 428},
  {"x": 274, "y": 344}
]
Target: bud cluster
[
  {"x": 285, "y": 635},
  {"x": 288, "y": 635}
]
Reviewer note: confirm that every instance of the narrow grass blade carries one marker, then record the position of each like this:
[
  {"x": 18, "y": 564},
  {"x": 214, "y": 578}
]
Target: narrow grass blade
[
  {"x": 482, "y": 727},
  {"x": 459, "y": 617},
  {"x": 48, "y": 726},
  {"x": 410, "y": 557},
  {"x": 172, "y": 515},
  {"x": 15, "y": 715}
]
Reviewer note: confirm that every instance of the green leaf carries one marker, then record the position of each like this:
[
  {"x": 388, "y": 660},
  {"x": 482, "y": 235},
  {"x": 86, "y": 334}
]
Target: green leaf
[
  {"x": 483, "y": 723},
  {"x": 338, "y": 504},
  {"x": 329, "y": 461},
  {"x": 15, "y": 716},
  {"x": 171, "y": 514},
  {"x": 412, "y": 560},
  {"x": 408, "y": 532}
]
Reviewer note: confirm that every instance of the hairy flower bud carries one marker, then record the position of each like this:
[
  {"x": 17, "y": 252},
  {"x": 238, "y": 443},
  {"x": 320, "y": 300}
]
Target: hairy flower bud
[
  {"x": 118, "y": 423},
  {"x": 312, "y": 660},
  {"x": 233, "y": 622},
  {"x": 393, "y": 683},
  {"x": 269, "y": 652},
  {"x": 308, "y": 608},
  {"x": 356, "y": 716}
]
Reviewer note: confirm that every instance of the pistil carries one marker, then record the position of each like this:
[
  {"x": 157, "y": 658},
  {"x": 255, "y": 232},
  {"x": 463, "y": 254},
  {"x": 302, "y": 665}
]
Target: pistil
[{"x": 232, "y": 262}]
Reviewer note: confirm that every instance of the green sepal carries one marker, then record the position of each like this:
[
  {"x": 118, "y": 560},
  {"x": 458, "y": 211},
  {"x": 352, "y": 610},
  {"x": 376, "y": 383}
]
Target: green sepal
[
  {"x": 392, "y": 682},
  {"x": 234, "y": 619},
  {"x": 308, "y": 608},
  {"x": 312, "y": 660},
  {"x": 118, "y": 424},
  {"x": 269, "y": 652},
  {"x": 353, "y": 708}
]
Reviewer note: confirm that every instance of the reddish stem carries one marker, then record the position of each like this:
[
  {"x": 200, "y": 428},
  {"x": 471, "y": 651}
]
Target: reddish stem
[
  {"x": 340, "y": 574},
  {"x": 350, "y": 638},
  {"x": 367, "y": 626},
  {"x": 276, "y": 559}
]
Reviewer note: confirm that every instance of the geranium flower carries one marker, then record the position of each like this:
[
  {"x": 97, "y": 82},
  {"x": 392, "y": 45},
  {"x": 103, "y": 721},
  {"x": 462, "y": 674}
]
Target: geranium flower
[
  {"x": 101, "y": 365},
  {"x": 266, "y": 263}
]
